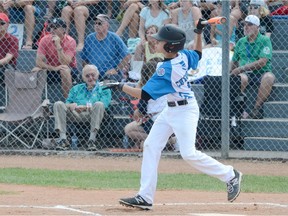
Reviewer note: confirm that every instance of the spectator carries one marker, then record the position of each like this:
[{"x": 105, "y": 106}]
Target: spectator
[
  {"x": 216, "y": 30},
  {"x": 28, "y": 10},
  {"x": 86, "y": 103},
  {"x": 106, "y": 50},
  {"x": 146, "y": 52},
  {"x": 185, "y": 17},
  {"x": 252, "y": 62},
  {"x": 131, "y": 17},
  {"x": 80, "y": 11},
  {"x": 156, "y": 13},
  {"x": 57, "y": 54},
  {"x": 147, "y": 111},
  {"x": 274, "y": 5},
  {"x": 8, "y": 46},
  {"x": 282, "y": 11}
]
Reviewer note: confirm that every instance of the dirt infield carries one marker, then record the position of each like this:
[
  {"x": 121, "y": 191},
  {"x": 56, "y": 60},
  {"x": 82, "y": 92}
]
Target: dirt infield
[{"x": 34, "y": 200}]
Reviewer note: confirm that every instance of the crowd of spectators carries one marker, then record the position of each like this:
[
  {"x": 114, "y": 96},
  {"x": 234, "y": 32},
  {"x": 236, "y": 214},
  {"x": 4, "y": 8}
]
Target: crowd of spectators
[{"x": 107, "y": 51}]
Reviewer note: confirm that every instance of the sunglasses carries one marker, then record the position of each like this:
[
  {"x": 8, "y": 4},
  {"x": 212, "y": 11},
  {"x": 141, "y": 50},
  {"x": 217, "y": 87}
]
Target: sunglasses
[
  {"x": 98, "y": 23},
  {"x": 254, "y": 7},
  {"x": 93, "y": 75},
  {"x": 2, "y": 23}
]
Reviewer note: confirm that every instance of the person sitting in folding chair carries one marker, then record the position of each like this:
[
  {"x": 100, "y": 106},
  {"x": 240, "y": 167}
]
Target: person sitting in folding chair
[{"x": 85, "y": 102}]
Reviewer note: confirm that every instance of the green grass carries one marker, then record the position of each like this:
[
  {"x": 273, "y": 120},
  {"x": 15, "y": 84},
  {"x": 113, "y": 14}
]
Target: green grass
[{"x": 130, "y": 180}]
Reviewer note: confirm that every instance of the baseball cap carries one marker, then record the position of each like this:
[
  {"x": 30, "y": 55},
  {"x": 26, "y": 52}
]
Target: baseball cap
[
  {"x": 253, "y": 19},
  {"x": 102, "y": 17},
  {"x": 57, "y": 22},
  {"x": 4, "y": 17}
]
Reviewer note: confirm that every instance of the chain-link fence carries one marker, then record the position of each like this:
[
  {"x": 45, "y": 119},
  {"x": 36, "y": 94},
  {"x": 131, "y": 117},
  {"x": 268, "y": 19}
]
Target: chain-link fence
[{"x": 49, "y": 83}]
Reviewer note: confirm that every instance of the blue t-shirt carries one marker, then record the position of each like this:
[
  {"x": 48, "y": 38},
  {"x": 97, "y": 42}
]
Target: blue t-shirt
[
  {"x": 171, "y": 77},
  {"x": 105, "y": 54}
]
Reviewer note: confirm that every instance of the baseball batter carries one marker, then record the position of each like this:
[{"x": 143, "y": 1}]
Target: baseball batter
[{"x": 179, "y": 117}]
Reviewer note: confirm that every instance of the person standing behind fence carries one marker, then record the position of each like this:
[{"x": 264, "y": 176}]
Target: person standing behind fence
[
  {"x": 8, "y": 46},
  {"x": 86, "y": 103},
  {"x": 79, "y": 11},
  {"x": 106, "y": 50},
  {"x": 180, "y": 116},
  {"x": 252, "y": 62},
  {"x": 57, "y": 54}
]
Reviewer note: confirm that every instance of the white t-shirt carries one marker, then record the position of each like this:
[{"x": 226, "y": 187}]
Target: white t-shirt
[{"x": 150, "y": 20}]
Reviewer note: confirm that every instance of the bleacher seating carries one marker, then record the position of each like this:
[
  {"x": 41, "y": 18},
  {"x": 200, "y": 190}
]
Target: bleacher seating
[{"x": 280, "y": 33}]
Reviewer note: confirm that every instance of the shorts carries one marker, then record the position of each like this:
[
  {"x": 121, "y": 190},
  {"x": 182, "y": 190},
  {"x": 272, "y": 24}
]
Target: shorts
[
  {"x": 17, "y": 15},
  {"x": 253, "y": 78},
  {"x": 54, "y": 76}
]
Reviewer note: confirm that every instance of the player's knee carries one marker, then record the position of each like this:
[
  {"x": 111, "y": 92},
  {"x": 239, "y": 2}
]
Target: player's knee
[{"x": 189, "y": 155}]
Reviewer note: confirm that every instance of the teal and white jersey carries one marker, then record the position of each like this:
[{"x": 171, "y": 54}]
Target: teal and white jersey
[{"x": 171, "y": 77}]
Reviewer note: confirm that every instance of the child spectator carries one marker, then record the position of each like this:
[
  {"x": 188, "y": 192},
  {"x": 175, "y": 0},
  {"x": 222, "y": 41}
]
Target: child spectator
[
  {"x": 145, "y": 52},
  {"x": 147, "y": 111}
]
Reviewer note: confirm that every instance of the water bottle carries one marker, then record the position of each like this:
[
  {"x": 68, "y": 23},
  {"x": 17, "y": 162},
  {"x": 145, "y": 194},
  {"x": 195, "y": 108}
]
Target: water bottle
[
  {"x": 89, "y": 106},
  {"x": 74, "y": 143},
  {"x": 125, "y": 142}
]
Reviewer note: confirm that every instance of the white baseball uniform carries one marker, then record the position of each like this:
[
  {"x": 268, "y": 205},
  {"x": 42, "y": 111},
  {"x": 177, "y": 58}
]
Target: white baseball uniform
[{"x": 171, "y": 79}]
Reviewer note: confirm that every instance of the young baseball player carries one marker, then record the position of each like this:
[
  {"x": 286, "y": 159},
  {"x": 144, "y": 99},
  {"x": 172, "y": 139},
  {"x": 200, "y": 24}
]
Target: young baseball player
[{"x": 179, "y": 117}]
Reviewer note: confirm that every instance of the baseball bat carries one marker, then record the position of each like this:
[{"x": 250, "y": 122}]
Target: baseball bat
[{"x": 214, "y": 20}]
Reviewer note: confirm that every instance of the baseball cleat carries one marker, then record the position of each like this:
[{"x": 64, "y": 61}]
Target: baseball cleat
[
  {"x": 234, "y": 186},
  {"x": 137, "y": 202}
]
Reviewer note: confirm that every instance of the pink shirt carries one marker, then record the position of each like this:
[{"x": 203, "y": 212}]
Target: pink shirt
[
  {"x": 48, "y": 49},
  {"x": 9, "y": 44}
]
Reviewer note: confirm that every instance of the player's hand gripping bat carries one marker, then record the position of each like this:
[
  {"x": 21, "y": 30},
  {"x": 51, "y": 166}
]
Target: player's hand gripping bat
[{"x": 213, "y": 21}]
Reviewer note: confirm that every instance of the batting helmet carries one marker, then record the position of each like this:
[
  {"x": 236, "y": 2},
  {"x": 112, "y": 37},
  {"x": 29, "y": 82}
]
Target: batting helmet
[{"x": 173, "y": 35}]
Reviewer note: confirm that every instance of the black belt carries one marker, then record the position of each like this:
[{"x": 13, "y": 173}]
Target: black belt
[{"x": 180, "y": 103}]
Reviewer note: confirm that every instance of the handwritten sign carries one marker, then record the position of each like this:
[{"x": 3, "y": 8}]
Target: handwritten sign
[
  {"x": 17, "y": 30},
  {"x": 210, "y": 64}
]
